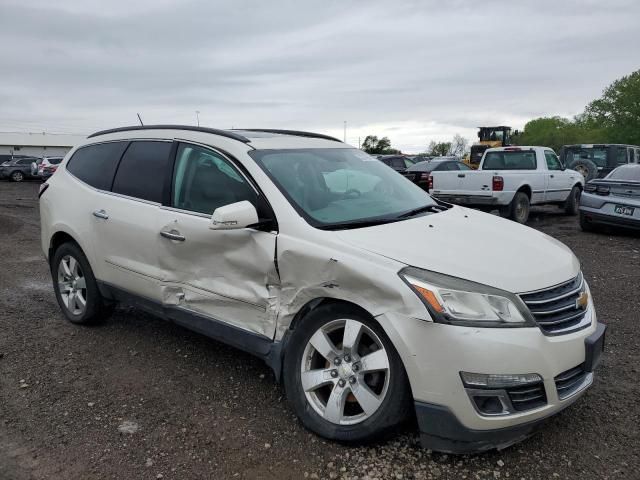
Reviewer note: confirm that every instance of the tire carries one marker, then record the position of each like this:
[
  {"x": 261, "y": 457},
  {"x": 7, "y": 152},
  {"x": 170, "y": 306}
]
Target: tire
[
  {"x": 586, "y": 225},
  {"x": 350, "y": 386},
  {"x": 586, "y": 167},
  {"x": 16, "y": 176},
  {"x": 519, "y": 208},
  {"x": 573, "y": 201},
  {"x": 75, "y": 286}
]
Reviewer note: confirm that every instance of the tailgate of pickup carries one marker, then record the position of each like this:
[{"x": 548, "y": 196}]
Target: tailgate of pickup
[{"x": 464, "y": 186}]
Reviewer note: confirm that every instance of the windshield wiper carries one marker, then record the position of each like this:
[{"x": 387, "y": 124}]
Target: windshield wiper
[
  {"x": 357, "y": 224},
  {"x": 426, "y": 208}
]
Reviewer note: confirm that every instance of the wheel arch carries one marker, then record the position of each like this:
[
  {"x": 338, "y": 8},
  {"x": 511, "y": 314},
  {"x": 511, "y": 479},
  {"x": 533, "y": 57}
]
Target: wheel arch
[
  {"x": 526, "y": 189},
  {"x": 275, "y": 358}
]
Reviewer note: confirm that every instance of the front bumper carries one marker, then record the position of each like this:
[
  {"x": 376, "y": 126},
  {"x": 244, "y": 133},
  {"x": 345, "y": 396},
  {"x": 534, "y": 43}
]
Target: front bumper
[
  {"x": 441, "y": 430},
  {"x": 434, "y": 355}
]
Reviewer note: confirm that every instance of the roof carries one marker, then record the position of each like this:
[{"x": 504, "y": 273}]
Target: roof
[{"x": 42, "y": 139}]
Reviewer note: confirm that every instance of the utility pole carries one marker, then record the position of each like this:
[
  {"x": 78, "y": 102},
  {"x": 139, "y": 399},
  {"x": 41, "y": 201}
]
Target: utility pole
[
  {"x": 198, "y": 117},
  {"x": 345, "y": 131}
]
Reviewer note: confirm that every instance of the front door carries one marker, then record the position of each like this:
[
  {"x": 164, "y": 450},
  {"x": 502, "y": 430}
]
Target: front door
[
  {"x": 223, "y": 275},
  {"x": 558, "y": 186}
]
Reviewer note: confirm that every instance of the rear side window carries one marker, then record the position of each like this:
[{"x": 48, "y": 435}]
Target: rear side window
[
  {"x": 96, "y": 164},
  {"x": 142, "y": 170}
]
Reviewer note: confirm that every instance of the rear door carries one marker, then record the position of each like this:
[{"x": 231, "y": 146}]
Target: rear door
[
  {"x": 222, "y": 275},
  {"x": 126, "y": 220}
]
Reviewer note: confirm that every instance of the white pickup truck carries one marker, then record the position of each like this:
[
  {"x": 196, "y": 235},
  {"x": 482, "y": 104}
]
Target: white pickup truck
[{"x": 511, "y": 179}]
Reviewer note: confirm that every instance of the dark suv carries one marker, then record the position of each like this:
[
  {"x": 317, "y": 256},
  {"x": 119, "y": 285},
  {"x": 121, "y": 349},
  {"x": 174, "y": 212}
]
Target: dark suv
[
  {"x": 598, "y": 160},
  {"x": 17, "y": 169}
]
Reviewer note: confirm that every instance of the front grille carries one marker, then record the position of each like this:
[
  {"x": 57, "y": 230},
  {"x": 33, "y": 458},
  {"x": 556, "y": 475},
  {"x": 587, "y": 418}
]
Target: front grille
[
  {"x": 527, "y": 397},
  {"x": 570, "y": 381},
  {"x": 556, "y": 309}
]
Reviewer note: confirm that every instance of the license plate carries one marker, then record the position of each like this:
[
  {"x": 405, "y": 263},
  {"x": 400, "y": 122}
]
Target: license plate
[
  {"x": 594, "y": 346},
  {"x": 622, "y": 210}
]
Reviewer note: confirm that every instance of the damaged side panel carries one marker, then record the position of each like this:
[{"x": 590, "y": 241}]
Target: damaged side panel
[
  {"x": 311, "y": 271},
  {"x": 228, "y": 275}
]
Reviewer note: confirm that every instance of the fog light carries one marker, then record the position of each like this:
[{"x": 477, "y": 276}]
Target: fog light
[
  {"x": 483, "y": 380},
  {"x": 490, "y": 405}
]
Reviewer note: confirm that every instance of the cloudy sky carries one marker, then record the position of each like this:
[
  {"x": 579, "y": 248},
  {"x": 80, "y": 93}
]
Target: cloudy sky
[{"x": 414, "y": 71}]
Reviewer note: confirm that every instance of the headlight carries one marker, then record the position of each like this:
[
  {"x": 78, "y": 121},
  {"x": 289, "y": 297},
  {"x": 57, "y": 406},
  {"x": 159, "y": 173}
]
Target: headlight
[{"x": 461, "y": 302}]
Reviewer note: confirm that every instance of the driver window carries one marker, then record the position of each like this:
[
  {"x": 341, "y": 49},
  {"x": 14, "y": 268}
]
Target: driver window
[
  {"x": 203, "y": 181},
  {"x": 553, "y": 163}
]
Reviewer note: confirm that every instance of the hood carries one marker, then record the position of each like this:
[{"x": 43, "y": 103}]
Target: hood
[{"x": 474, "y": 246}]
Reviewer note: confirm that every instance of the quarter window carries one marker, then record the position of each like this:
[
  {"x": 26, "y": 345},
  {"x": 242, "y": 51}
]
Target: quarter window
[
  {"x": 622, "y": 156},
  {"x": 142, "y": 169},
  {"x": 204, "y": 181},
  {"x": 96, "y": 164}
]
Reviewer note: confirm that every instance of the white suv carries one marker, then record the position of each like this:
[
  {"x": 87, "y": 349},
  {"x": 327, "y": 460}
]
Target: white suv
[{"x": 351, "y": 282}]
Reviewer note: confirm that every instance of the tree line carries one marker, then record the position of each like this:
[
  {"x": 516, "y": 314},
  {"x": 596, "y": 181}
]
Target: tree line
[{"x": 612, "y": 118}]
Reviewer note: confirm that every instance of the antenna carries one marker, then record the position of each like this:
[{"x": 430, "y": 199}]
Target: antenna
[{"x": 140, "y": 119}]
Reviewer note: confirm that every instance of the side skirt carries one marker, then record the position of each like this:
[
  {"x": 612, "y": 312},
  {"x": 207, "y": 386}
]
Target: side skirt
[{"x": 253, "y": 343}]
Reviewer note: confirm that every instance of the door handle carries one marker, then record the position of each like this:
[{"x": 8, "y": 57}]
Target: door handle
[
  {"x": 461, "y": 175},
  {"x": 550, "y": 176},
  {"x": 100, "y": 214},
  {"x": 173, "y": 235}
]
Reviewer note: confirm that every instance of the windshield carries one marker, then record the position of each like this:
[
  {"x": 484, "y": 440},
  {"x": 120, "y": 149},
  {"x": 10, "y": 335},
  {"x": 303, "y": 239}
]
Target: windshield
[
  {"x": 596, "y": 155},
  {"x": 336, "y": 187},
  {"x": 510, "y": 160}
]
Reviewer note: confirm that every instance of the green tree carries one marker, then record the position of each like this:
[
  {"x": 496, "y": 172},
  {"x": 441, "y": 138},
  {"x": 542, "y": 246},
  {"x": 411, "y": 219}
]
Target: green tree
[
  {"x": 373, "y": 145},
  {"x": 438, "y": 149},
  {"x": 617, "y": 112}
]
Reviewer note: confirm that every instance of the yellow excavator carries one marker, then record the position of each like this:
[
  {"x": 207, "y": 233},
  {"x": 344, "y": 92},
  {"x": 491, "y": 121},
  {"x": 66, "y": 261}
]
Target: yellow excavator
[{"x": 489, "y": 137}]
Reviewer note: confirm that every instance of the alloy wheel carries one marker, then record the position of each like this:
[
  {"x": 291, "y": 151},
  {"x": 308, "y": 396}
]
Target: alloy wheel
[
  {"x": 17, "y": 176},
  {"x": 72, "y": 285},
  {"x": 345, "y": 372}
]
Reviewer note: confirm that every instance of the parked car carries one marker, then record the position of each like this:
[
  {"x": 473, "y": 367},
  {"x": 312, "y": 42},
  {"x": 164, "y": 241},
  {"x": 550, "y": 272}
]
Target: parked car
[
  {"x": 48, "y": 166},
  {"x": 597, "y": 161},
  {"x": 512, "y": 179},
  {"x": 613, "y": 200},
  {"x": 423, "y": 169},
  {"x": 285, "y": 244},
  {"x": 400, "y": 163},
  {"x": 17, "y": 170}
]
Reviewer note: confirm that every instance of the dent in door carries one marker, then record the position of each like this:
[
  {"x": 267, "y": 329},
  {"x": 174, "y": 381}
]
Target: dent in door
[{"x": 228, "y": 275}]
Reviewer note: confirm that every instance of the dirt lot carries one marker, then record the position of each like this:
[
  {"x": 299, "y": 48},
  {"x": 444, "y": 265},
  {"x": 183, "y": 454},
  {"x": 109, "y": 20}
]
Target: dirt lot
[{"x": 137, "y": 397}]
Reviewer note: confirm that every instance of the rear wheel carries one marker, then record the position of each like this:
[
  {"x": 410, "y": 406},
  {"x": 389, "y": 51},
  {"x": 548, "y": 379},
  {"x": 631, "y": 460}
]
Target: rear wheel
[
  {"x": 16, "y": 176},
  {"x": 585, "y": 224},
  {"x": 518, "y": 209},
  {"x": 343, "y": 376},
  {"x": 75, "y": 286},
  {"x": 573, "y": 201}
]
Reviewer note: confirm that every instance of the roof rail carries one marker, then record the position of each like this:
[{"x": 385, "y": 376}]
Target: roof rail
[
  {"x": 215, "y": 131},
  {"x": 295, "y": 133}
]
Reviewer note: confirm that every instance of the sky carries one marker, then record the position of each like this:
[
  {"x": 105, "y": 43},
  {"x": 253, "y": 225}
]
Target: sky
[{"x": 414, "y": 71}]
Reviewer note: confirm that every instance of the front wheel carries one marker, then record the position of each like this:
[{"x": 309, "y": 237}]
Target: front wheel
[{"x": 343, "y": 376}]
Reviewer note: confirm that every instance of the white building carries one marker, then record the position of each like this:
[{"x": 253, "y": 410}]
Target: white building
[{"x": 37, "y": 144}]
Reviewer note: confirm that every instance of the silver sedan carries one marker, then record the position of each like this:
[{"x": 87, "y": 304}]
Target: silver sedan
[{"x": 613, "y": 200}]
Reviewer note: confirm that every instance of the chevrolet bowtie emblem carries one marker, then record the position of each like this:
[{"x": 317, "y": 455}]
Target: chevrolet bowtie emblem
[{"x": 582, "y": 301}]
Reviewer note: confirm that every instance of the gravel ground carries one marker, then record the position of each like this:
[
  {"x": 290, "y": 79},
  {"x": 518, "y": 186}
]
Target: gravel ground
[{"x": 136, "y": 397}]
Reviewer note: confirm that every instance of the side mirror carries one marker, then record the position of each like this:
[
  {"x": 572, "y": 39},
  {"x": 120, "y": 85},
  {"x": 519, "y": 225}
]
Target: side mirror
[{"x": 234, "y": 216}]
